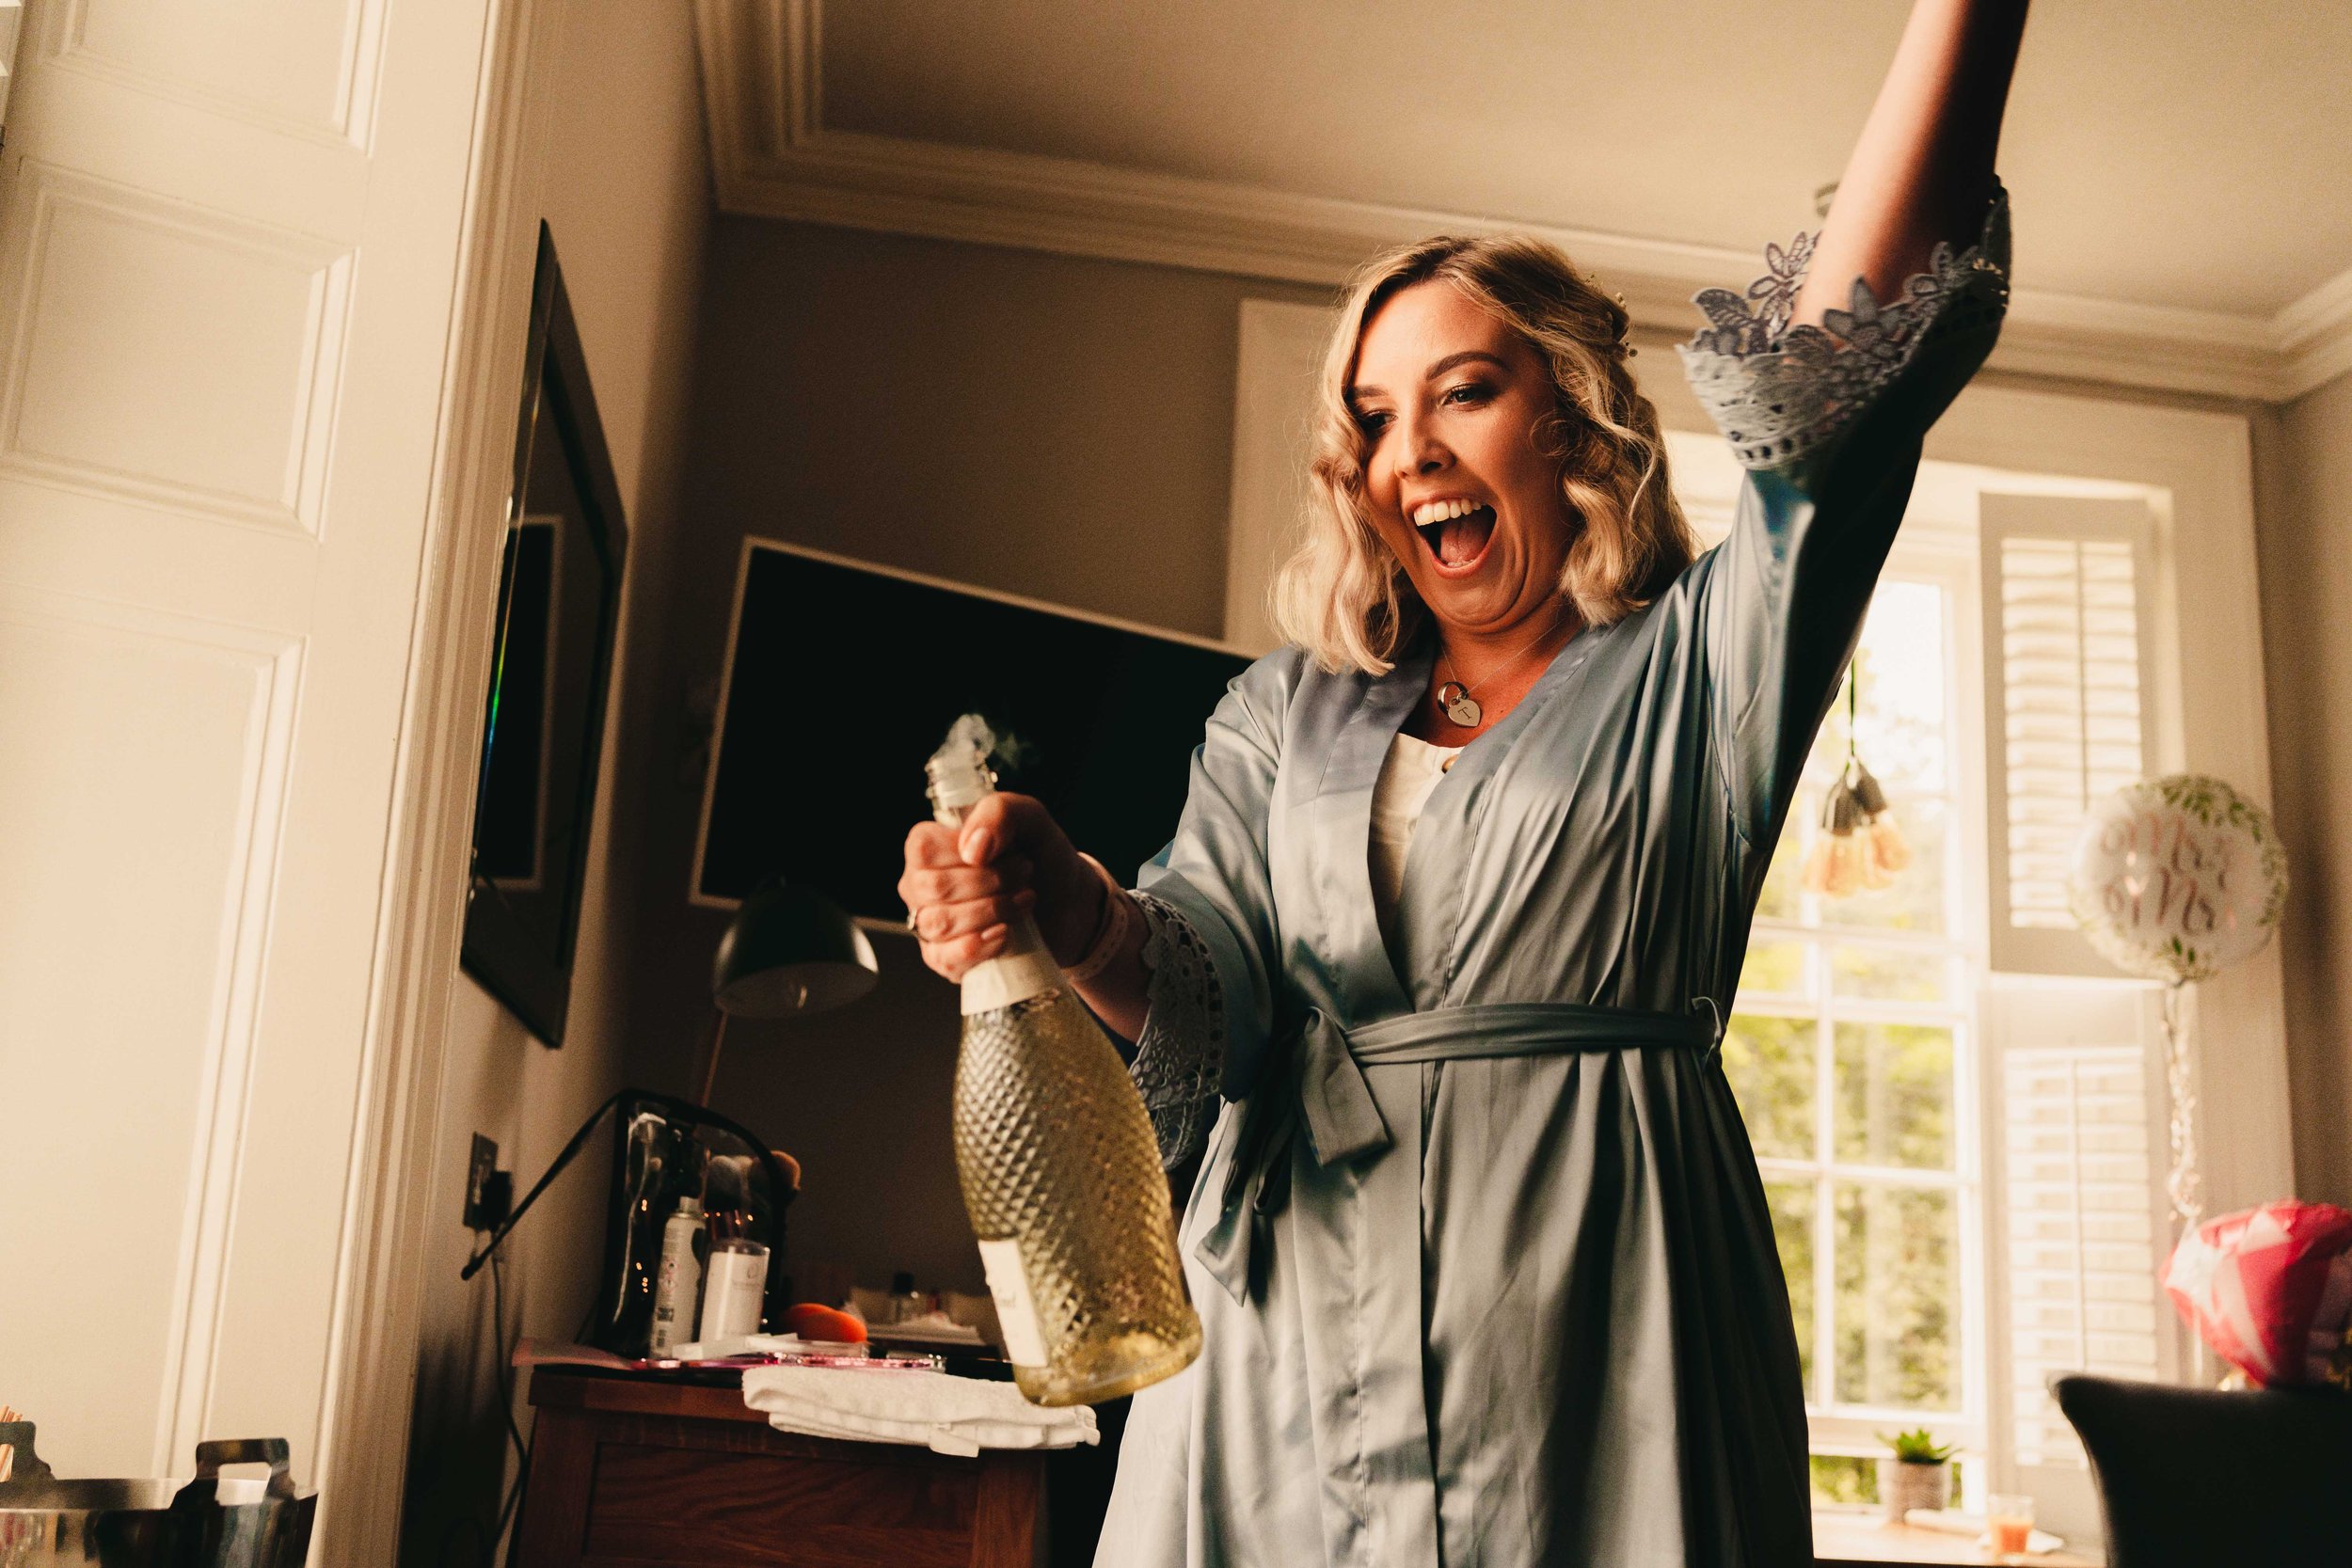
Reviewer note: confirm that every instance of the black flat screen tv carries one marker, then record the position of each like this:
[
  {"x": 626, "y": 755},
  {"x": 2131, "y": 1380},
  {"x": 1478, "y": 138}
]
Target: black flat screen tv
[{"x": 841, "y": 679}]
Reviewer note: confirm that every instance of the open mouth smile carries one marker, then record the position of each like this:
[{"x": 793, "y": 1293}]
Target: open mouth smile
[{"x": 1456, "y": 533}]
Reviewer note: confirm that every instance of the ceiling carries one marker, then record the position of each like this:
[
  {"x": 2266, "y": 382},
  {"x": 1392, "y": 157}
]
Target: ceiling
[{"x": 2181, "y": 169}]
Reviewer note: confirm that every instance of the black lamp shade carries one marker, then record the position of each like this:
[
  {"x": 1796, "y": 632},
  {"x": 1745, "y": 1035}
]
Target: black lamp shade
[{"x": 791, "y": 950}]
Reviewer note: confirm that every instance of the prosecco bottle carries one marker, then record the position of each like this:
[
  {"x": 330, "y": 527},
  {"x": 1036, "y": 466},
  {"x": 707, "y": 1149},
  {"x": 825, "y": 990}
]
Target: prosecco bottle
[{"x": 1062, "y": 1175}]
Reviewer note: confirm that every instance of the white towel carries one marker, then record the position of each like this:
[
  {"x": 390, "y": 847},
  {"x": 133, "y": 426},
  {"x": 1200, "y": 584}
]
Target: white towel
[{"x": 948, "y": 1414}]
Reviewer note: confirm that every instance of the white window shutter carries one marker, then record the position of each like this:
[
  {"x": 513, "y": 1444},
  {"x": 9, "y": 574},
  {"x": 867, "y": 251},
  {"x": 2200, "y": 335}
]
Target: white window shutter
[
  {"x": 2067, "y": 643},
  {"x": 2079, "y": 1219}
]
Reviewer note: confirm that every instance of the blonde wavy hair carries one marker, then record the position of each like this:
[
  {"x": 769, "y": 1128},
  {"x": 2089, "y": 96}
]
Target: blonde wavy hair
[{"x": 1344, "y": 596}]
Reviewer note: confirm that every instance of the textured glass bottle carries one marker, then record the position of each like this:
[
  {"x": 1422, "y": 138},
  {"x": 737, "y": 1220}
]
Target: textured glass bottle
[{"x": 1060, "y": 1173}]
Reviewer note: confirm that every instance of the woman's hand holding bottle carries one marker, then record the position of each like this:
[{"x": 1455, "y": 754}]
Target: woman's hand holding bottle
[{"x": 964, "y": 886}]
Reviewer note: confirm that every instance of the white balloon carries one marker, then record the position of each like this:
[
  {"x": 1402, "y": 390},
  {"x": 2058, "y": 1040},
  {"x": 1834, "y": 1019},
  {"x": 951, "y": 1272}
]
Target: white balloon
[{"x": 2178, "y": 878}]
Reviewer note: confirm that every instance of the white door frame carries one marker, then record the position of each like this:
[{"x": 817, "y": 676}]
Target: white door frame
[{"x": 379, "y": 1299}]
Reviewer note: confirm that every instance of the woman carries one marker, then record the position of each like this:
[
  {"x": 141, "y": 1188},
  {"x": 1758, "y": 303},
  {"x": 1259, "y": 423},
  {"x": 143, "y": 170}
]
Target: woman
[{"x": 1463, "y": 883}]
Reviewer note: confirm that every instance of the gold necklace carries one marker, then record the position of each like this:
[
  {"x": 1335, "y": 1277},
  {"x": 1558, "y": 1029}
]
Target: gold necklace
[{"x": 1454, "y": 697}]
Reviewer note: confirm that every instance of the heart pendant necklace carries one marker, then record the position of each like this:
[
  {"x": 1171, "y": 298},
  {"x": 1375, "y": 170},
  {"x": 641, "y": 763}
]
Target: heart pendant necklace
[
  {"x": 1459, "y": 704},
  {"x": 1454, "y": 696}
]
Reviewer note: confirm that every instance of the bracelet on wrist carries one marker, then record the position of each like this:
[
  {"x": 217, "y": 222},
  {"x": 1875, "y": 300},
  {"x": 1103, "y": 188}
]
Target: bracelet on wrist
[{"x": 1110, "y": 933}]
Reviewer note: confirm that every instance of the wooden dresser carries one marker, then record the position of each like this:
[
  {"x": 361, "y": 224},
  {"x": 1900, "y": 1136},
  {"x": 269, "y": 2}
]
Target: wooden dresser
[
  {"x": 641, "y": 1471},
  {"x": 646, "y": 1472}
]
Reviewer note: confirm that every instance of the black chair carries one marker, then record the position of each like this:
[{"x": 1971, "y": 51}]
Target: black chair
[{"x": 2198, "y": 1477}]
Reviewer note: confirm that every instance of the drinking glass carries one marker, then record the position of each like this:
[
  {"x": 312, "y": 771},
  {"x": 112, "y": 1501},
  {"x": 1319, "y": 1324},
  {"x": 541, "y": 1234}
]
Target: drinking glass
[{"x": 2008, "y": 1520}]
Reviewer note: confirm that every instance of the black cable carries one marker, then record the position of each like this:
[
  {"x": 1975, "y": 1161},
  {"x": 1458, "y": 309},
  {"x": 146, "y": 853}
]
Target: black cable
[
  {"x": 514, "y": 1216},
  {"x": 506, "y": 1358},
  {"x": 467, "y": 1521},
  {"x": 506, "y": 1396}
]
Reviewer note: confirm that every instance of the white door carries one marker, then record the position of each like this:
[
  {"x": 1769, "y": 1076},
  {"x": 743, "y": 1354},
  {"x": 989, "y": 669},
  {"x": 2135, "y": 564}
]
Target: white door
[{"x": 228, "y": 236}]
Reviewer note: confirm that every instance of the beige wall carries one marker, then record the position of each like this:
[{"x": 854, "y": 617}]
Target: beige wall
[
  {"x": 625, "y": 189},
  {"x": 1048, "y": 425},
  {"x": 2305, "y": 528}
]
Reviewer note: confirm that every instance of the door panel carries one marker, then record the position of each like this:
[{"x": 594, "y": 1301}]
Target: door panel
[
  {"x": 301, "y": 66},
  {"x": 173, "y": 354},
  {"x": 147, "y": 909},
  {"x": 230, "y": 237}
]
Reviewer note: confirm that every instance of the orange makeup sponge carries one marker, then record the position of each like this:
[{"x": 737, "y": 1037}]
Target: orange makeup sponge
[{"x": 812, "y": 1321}]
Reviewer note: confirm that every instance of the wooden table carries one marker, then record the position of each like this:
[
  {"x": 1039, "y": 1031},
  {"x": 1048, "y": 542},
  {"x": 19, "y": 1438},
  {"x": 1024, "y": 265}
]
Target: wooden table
[
  {"x": 1859, "y": 1540},
  {"x": 643, "y": 1471}
]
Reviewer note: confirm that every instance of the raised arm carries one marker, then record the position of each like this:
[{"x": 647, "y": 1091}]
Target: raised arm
[
  {"x": 1827, "y": 398},
  {"x": 1923, "y": 168}
]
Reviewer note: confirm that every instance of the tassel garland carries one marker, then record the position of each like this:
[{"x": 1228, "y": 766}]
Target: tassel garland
[{"x": 1861, "y": 848}]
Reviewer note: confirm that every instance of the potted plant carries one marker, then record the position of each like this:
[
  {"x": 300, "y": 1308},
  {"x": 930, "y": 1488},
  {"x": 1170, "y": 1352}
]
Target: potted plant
[{"x": 1919, "y": 1476}]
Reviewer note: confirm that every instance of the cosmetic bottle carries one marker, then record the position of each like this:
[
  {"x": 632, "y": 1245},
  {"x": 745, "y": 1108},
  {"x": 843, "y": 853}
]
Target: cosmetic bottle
[
  {"x": 677, "y": 1283},
  {"x": 737, "y": 1286}
]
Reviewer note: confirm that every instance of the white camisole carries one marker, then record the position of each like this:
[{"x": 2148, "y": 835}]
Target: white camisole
[{"x": 1408, "y": 774}]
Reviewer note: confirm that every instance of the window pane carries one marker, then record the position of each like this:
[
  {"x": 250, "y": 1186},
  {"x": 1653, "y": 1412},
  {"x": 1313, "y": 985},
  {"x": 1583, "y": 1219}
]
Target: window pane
[
  {"x": 1898, "y": 1286},
  {"x": 1769, "y": 1064},
  {"x": 1776, "y": 968},
  {"x": 1894, "y": 1095},
  {"x": 1902, "y": 660},
  {"x": 1839, "y": 1478},
  {"x": 1791, "y": 1203},
  {"x": 1888, "y": 974},
  {"x": 1902, "y": 687},
  {"x": 1849, "y": 1478},
  {"x": 1784, "y": 882}
]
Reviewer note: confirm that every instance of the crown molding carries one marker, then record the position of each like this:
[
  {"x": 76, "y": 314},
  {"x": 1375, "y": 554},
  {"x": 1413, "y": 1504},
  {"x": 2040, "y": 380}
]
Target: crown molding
[
  {"x": 772, "y": 157},
  {"x": 2315, "y": 335}
]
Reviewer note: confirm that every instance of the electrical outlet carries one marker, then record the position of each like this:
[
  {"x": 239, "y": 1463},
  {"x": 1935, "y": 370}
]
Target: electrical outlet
[{"x": 487, "y": 1188}]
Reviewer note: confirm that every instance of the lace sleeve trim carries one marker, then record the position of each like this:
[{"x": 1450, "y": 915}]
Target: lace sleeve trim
[
  {"x": 1781, "y": 392},
  {"x": 1182, "y": 1049}
]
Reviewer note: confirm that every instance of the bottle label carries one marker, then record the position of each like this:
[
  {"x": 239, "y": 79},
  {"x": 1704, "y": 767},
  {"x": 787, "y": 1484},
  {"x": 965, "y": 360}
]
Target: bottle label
[
  {"x": 732, "y": 1294},
  {"x": 1008, "y": 978},
  {"x": 1016, "y": 1309},
  {"x": 674, "y": 1291}
]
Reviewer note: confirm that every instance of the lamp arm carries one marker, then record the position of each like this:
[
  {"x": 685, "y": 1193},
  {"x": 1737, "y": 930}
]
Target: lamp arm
[{"x": 711, "y": 1068}]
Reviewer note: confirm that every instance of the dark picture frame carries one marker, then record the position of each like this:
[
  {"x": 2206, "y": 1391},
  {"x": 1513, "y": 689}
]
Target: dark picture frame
[
  {"x": 544, "y": 712},
  {"x": 1106, "y": 743}
]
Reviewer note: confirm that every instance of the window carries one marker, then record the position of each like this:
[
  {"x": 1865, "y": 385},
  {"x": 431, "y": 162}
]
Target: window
[
  {"x": 1851, "y": 1050},
  {"x": 1952, "y": 1113}
]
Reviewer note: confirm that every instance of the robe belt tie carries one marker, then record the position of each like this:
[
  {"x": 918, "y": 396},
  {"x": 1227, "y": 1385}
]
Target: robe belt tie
[{"x": 1320, "y": 1082}]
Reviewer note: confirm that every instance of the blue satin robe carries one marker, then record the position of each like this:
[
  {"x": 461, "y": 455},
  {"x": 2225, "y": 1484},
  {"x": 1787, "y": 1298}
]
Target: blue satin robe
[{"x": 1487, "y": 1279}]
